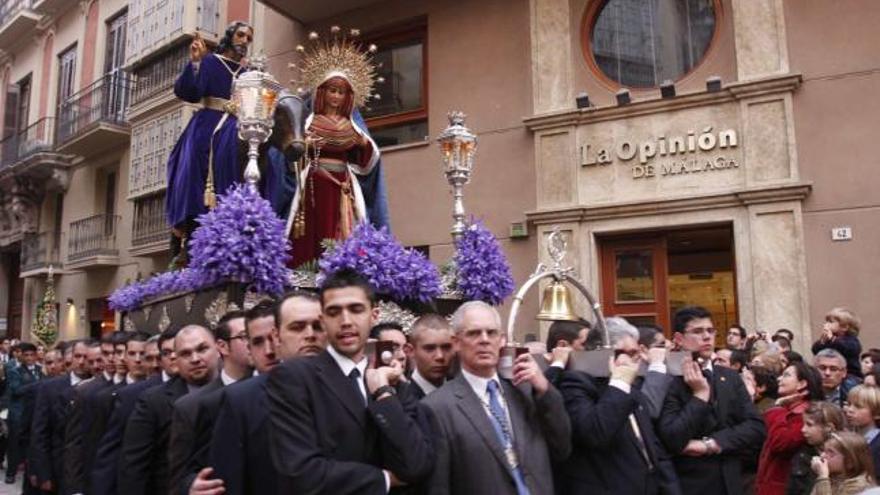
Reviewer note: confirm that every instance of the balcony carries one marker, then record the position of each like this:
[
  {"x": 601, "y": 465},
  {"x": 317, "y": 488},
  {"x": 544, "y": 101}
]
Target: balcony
[
  {"x": 92, "y": 242},
  {"x": 39, "y": 252},
  {"x": 94, "y": 120},
  {"x": 17, "y": 21},
  {"x": 50, "y": 7},
  {"x": 32, "y": 151},
  {"x": 149, "y": 233},
  {"x": 156, "y": 77},
  {"x": 308, "y": 11},
  {"x": 154, "y": 25}
]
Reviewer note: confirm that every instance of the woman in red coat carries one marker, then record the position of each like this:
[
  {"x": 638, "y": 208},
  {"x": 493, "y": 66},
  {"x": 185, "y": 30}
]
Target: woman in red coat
[{"x": 798, "y": 385}]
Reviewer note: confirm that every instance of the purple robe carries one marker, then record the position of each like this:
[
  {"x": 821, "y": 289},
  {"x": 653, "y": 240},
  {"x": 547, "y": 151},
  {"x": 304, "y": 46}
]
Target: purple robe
[{"x": 188, "y": 161}]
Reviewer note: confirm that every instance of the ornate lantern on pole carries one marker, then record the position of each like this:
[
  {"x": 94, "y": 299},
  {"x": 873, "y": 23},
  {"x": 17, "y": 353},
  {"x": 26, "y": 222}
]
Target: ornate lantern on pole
[
  {"x": 254, "y": 96},
  {"x": 458, "y": 146}
]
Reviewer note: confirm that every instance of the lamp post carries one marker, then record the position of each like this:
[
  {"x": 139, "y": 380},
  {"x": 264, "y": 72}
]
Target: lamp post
[
  {"x": 458, "y": 147},
  {"x": 254, "y": 96}
]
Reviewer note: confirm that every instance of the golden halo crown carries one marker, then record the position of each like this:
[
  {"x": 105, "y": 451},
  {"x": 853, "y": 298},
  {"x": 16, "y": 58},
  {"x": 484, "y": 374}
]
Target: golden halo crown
[{"x": 341, "y": 54}]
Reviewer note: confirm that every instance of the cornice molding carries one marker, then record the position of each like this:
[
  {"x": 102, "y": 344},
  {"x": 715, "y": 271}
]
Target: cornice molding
[
  {"x": 730, "y": 93},
  {"x": 777, "y": 193}
]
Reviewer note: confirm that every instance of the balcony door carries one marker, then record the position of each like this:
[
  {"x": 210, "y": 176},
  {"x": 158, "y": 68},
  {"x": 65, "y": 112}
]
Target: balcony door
[{"x": 115, "y": 80}]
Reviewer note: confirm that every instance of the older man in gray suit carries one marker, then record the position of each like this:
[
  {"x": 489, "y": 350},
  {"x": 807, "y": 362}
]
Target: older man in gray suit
[{"x": 494, "y": 435}]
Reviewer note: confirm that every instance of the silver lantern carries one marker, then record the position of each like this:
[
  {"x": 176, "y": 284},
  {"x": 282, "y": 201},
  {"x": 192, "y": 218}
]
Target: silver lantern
[
  {"x": 458, "y": 147},
  {"x": 254, "y": 96}
]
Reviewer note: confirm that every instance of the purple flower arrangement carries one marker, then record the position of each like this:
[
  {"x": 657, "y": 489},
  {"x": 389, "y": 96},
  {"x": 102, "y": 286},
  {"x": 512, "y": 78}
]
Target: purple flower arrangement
[
  {"x": 483, "y": 271},
  {"x": 131, "y": 296},
  {"x": 242, "y": 240},
  {"x": 402, "y": 274}
]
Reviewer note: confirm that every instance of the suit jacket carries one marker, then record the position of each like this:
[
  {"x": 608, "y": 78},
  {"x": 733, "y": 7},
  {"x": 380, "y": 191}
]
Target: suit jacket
[
  {"x": 79, "y": 447},
  {"x": 143, "y": 467},
  {"x": 325, "y": 440},
  {"x": 103, "y": 475},
  {"x": 239, "y": 445},
  {"x": 185, "y": 418},
  {"x": 607, "y": 456},
  {"x": 729, "y": 418},
  {"x": 471, "y": 459},
  {"x": 19, "y": 389},
  {"x": 51, "y": 411}
]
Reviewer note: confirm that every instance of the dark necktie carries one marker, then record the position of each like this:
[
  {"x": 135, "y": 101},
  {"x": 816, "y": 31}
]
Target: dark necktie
[{"x": 355, "y": 377}]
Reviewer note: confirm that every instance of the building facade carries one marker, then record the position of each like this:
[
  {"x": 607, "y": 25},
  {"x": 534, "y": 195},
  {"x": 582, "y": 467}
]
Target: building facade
[{"x": 734, "y": 171}]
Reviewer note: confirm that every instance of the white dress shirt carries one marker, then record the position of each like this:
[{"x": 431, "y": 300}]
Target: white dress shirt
[
  {"x": 423, "y": 382},
  {"x": 346, "y": 365}
]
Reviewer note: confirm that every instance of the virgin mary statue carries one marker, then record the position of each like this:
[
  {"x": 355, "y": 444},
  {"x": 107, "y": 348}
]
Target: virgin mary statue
[{"x": 339, "y": 183}]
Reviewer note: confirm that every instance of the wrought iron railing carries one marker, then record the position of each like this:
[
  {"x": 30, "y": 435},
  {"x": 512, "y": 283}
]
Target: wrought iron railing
[
  {"x": 159, "y": 74},
  {"x": 149, "y": 221},
  {"x": 40, "y": 251},
  {"x": 105, "y": 100},
  {"x": 37, "y": 137},
  {"x": 92, "y": 236},
  {"x": 8, "y": 9}
]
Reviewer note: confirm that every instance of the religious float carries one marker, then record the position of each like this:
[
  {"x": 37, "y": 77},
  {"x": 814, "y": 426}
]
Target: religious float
[{"x": 242, "y": 248}]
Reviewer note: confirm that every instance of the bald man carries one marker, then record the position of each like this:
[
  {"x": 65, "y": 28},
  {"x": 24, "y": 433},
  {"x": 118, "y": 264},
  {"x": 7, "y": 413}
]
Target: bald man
[{"x": 143, "y": 465}]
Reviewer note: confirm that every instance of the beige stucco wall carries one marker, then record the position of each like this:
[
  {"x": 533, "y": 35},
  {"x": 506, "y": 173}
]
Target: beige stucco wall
[{"x": 836, "y": 120}]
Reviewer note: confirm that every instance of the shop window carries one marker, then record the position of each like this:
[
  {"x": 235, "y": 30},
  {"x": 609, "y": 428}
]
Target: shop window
[
  {"x": 400, "y": 115},
  {"x": 641, "y": 43}
]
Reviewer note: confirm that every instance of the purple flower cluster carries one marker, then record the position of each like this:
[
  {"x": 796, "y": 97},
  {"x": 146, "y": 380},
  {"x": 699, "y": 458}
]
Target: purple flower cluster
[
  {"x": 483, "y": 271},
  {"x": 242, "y": 240},
  {"x": 403, "y": 274},
  {"x": 131, "y": 296}
]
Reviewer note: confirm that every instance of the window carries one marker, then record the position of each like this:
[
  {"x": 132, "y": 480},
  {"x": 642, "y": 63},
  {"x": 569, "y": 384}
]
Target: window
[
  {"x": 24, "y": 103},
  {"x": 401, "y": 114},
  {"x": 114, "y": 57},
  {"x": 66, "y": 74},
  {"x": 641, "y": 43}
]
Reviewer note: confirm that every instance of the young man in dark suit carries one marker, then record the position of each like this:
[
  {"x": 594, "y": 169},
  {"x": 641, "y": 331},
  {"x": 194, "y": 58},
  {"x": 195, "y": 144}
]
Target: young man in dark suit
[
  {"x": 20, "y": 391},
  {"x": 494, "y": 435},
  {"x": 51, "y": 413},
  {"x": 430, "y": 352},
  {"x": 105, "y": 468},
  {"x": 193, "y": 415},
  {"x": 144, "y": 467},
  {"x": 79, "y": 446},
  {"x": 708, "y": 418},
  {"x": 239, "y": 457},
  {"x": 333, "y": 431}
]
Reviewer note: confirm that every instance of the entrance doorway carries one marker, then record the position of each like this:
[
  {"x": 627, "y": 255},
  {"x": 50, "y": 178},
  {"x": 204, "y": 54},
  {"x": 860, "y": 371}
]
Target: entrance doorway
[{"x": 647, "y": 277}]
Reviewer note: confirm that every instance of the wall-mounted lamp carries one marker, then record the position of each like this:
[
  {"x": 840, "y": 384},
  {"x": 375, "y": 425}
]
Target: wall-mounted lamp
[
  {"x": 582, "y": 100},
  {"x": 623, "y": 97},
  {"x": 713, "y": 84},
  {"x": 69, "y": 302},
  {"x": 667, "y": 89}
]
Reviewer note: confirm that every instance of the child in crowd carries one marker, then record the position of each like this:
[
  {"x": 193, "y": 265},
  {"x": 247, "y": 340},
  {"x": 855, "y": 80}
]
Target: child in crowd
[
  {"x": 840, "y": 332},
  {"x": 821, "y": 419},
  {"x": 863, "y": 415},
  {"x": 845, "y": 466}
]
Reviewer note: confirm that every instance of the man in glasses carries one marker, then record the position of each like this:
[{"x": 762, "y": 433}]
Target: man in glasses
[
  {"x": 708, "y": 418},
  {"x": 835, "y": 383}
]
